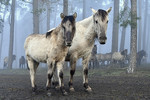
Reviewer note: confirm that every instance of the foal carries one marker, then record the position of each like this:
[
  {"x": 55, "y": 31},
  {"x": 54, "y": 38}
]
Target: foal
[{"x": 50, "y": 48}]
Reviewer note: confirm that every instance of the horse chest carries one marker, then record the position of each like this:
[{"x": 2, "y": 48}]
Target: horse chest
[{"x": 58, "y": 54}]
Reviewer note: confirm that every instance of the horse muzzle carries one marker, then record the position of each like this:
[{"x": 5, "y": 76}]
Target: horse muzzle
[
  {"x": 102, "y": 39},
  {"x": 68, "y": 44}
]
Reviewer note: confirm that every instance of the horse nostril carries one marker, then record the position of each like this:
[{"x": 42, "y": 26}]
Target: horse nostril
[
  {"x": 103, "y": 38},
  {"x": 69, "y": 44}
]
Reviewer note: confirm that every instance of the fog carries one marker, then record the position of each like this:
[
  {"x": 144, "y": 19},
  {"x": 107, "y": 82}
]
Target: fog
[{"x": 24, "y": 24}]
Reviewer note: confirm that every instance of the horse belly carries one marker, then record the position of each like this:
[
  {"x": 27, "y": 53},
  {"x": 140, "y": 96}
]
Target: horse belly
[{"x": 37, "y": 51}]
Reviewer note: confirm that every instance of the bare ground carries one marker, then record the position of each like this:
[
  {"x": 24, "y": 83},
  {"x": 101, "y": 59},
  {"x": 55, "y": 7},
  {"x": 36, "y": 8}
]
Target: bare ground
[{"x": 107, "y": 86}]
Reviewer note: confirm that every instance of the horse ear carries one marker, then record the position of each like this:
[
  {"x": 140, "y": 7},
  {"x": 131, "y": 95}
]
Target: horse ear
[
  {"x": 93, "y": 10},
  {"x": 75, "y": 15},
  {"x": 62, "y": 16},
  {"x": 108, "y": 10}
]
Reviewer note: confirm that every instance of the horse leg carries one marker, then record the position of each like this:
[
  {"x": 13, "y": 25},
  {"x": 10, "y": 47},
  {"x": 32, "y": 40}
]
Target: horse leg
[
  {"x": 72, "y": 71},
  {"x": 49, "y": 74},
  {"x": 60, "y": 76},
  {"x": 55, "y": 82},
  {"x": 93, "y": 64},
  {"x": 32, "y": 66},
  {"x": 85, "y": 74}
]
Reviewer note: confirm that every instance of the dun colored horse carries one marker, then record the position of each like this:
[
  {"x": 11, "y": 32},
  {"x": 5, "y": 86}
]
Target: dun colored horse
[{"x": 50, "y": 48}]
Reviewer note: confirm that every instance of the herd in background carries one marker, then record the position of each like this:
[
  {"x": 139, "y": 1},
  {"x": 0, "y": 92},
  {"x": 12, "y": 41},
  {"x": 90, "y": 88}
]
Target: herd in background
[
  {"x": 97, "y": 59},
  {"x": 22, "y": 62},
  {"x": 121, "y": 58}
]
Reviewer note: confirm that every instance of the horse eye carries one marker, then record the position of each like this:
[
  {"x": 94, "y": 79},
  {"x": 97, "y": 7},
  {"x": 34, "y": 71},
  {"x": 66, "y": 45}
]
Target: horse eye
[{"x": 96, "y": 21}]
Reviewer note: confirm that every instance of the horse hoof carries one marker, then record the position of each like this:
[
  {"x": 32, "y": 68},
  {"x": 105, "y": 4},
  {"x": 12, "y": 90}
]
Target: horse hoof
[
  {"x": 49, "y": 94},
  {"x": 65, "y": 93},
  {"x": 57, "y": 87},
  {"x": 72, "y": 89},
  {"x": 34, "y": 88},
  {"x": 89, "y": 90}
]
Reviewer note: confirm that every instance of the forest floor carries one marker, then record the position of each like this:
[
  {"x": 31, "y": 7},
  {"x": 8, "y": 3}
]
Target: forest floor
[{"x": 106, "y": 83}]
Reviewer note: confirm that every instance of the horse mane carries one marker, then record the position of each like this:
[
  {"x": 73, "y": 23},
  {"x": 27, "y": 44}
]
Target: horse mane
[
  {"x": 49, "y": 33},
  {"x": 54, "y": 31},
  {"x": 102, "y": 13}
]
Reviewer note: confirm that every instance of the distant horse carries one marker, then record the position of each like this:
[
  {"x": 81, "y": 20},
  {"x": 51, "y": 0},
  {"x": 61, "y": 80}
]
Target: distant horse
[
  {"x": 6, "y": 61},
  {"x": 87, "y": 31},
  {"x": 50, "y": 48},
  {"x": 104, "y": 58},
  {"x": 93, "y": 61},
  {"x": 119, "y": 57},
  {"x": 22, "y": 62},
  {"x": 139, "y": 57}
]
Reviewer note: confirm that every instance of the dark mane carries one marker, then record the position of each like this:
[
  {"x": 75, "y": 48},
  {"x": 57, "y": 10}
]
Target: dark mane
[
  {"x": 102, "y": 13},
  {"x": 70, "y": 18},
  {"x": 49, "y": 33}
]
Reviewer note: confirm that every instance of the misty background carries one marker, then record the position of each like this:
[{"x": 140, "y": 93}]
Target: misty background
[{"x": 29, "y": 13}]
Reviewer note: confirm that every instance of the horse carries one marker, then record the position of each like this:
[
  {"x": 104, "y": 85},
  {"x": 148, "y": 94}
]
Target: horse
[
  {"x": 102, "y": 58},
  {"x": 6, "y": 61},
  {"x": 93, "y": 60},
  {"x": 50, "y": 48},
  {"x": 89, "y": 29},
  {"x": 139, "y": 56},
  {"x": 119, "y": 57},
  {"x": 22, "y": 62}
]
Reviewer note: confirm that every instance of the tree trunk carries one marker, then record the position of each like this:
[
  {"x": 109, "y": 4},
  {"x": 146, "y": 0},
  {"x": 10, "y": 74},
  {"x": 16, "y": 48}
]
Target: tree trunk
[
  {"x": 2, "y": 26},
  {"x": 11, "y": 41},
  {"x": 145, "y": 25},
  {"x": 123, "y": 35},
  {"x": 115, "y": 27},
  {"x": 133, "y": 45},
  {"x": 65, "y": 7},
  {"x": 65, "y": 11},
  {"x": 140, "y": 27},
  {"x": 35, "y": 17},
  {"x": 84, "y": 9},
  {"x": 48, "y": 15},
  {"x": 148, "y": 40}
]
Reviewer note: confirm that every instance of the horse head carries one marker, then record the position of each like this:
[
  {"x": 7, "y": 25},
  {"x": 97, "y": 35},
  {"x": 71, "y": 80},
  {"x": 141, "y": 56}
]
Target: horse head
[
  {"x": 68, "y": 25},
  {"x": 100, "y": 20},
  {"x": 142, "y": 53}
]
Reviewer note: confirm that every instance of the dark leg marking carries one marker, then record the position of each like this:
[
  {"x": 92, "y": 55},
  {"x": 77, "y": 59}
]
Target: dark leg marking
[
  {"x": 72, "y": 72},
  {"x": 61, "y": 74},
  {"x": 85, "y": 85},
  {"x": 86, "y": 71},
  {"x": 49, "y": 77},
  {"x": 70, "y": 84},
  {"x": 55, "y": 83}
]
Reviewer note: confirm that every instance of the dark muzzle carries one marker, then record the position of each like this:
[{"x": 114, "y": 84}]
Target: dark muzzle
[
  {"x": 102, "y": 39},
  {"x": 68, "y": 39}
]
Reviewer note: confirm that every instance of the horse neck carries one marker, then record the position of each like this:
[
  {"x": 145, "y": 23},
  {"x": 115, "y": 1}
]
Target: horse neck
[
  {"x": 86, "y": 22},
  {"x": 60, "y": 39},
  {"x": 89, "y": 33}
]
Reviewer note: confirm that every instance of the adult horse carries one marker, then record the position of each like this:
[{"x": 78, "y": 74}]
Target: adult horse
[
  {"x": 139, "y": 57},
  {"x": 6, "y": 61},
  {"x": 50, "y": 48},
  {"x": 22, "y": 62},
  {"x": 87, "y": 31}
]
